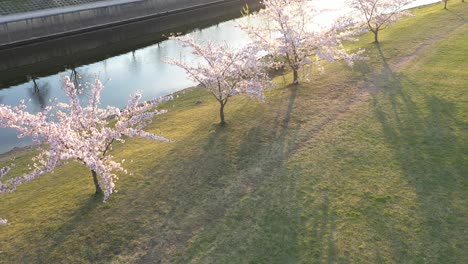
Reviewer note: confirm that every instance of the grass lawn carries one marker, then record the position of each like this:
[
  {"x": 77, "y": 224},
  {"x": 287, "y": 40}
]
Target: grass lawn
[{"x": 361, "y": 165}]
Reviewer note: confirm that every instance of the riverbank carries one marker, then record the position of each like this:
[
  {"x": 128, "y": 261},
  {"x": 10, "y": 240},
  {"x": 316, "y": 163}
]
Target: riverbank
[
  {"x": 19, "y": 152},
  {"x": 52, "y": 56},
  {"x": 15, "y": 152},
  {"x": 361, "y": 165},
  {"x": 42, "y": 25}
]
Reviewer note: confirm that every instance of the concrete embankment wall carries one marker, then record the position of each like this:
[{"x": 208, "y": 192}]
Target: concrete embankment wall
[
  {"x": 21, "y": 29},
  {"x": 53, "y": 55}
]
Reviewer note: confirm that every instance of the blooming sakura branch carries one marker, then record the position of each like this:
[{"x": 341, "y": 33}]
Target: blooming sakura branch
[{"x": 70, "y": 131}]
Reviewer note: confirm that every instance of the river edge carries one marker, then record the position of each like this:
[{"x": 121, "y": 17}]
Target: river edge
[{"x": 17, "y": 152}]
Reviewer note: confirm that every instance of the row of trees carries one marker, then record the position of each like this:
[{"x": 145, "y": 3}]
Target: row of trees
[{"x": 285, "y": 36}]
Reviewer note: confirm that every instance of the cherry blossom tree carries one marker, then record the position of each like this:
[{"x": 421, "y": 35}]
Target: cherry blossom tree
[
  {"x": 288, "y": 31},
  {"x": 70, "y": 131},
  {"x": 380, "y": 14},
  {"x": 225, "y": 72}
]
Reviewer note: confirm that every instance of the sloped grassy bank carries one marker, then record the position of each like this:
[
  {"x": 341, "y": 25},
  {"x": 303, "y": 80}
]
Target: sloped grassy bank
[{"x": 361, "y": 165}]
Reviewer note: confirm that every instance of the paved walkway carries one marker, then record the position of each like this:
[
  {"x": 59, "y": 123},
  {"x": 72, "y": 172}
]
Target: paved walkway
[{"x": 9, "y": 7}]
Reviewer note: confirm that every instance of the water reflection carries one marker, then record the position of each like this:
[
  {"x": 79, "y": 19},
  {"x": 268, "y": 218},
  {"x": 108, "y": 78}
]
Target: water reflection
[
  {"x": 75, "y": 77},
  {"x": 134, "y": 64},
  {"x": 39, "y": 93}
]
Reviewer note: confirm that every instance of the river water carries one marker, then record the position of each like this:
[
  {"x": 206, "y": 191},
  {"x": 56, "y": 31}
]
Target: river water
[{"x": 140, "y": 69}]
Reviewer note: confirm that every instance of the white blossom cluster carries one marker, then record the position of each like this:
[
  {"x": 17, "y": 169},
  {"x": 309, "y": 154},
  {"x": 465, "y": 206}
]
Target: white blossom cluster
[
  {"x": 288, "y": 31},
  {"x": 70, "y": 131},
  {"x": 225, "y": 72}
]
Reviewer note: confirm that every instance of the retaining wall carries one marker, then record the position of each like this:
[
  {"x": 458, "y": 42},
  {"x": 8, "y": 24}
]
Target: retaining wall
[
  {"x": 52, "y": 55},
  {"x": 21, "y": 29}
]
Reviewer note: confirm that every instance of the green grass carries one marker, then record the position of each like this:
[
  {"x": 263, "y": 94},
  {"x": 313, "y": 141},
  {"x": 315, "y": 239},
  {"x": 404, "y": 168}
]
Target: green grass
[{"x": 362, "y": 165}]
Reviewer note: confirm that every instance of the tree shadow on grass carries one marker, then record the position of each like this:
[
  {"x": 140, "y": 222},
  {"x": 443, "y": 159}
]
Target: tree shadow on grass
[
  {"x": 421, "y": 129},
  {"x": 458, "y": 15},
  {"x": 210, "y": 188},
  {"x": 55, "y": 238},
  {"x": 278, "y": 137},
  {"x": 319, "y": 245}
]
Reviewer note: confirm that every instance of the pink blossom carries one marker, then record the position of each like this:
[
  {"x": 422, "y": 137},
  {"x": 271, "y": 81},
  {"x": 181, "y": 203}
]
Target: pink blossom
[
  {"x": 86, "y": 133},
  {"x": 286, "y": 31},
  {"x": 225, "y": 72}
]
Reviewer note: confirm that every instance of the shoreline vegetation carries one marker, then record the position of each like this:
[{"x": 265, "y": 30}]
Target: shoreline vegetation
[{"x": 361, "y": 165}]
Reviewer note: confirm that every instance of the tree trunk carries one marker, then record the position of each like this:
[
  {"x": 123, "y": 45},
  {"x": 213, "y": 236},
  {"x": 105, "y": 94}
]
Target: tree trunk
[
  {"x": 445, "y": 4},
  {"x": 221, "y": 112},
  {"x": 96, "y": 182},
  {"x": 376, "y": 36},
  {"x": 296, "y": 77}
]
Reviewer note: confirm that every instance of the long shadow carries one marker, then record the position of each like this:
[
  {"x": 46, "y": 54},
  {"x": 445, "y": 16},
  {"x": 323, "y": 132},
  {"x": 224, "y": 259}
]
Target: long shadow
[
  {"x": 277, "y": 148},
  {"x": 458, "y": 15},
  {"x": 431, "y": 156},
  {"x": 269, "y": 169},
  {"x": 271, "y": 206},
  {"x": 59, "y": 236},
  {"x": 320, "y": 246},
  {"x": 207, "y": 186}
]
